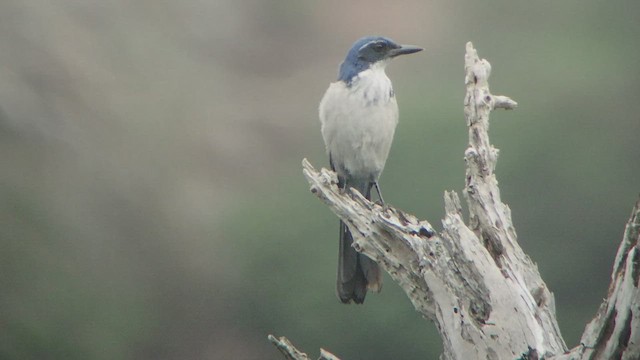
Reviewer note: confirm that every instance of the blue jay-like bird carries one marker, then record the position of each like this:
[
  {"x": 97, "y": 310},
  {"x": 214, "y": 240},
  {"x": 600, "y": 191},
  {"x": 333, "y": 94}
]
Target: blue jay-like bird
[{"x": 359, "y": 114}]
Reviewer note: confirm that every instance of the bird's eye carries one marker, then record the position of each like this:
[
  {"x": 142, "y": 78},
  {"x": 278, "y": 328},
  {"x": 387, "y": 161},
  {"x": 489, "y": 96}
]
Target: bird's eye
[{"x": 378, "y": 46}]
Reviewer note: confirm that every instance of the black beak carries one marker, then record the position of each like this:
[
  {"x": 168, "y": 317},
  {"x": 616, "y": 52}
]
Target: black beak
[{"x": 404, "y": 50}]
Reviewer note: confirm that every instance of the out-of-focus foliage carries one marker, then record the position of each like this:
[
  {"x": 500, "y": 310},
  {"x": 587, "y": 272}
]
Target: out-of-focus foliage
[{"x": 152, "y": 204}]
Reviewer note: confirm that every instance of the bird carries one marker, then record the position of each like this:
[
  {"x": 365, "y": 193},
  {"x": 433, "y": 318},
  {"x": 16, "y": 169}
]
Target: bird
[{"x": 358, "y": 116}]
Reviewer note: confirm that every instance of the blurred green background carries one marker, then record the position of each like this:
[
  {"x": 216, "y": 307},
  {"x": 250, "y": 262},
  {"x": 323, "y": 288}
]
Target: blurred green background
[{"x": 152, "y": 202}]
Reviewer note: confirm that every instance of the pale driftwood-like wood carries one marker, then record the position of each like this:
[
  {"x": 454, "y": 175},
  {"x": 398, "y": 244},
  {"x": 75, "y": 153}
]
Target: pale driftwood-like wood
[
  {"x": 473, "y": 280},
  {"x": 287, "y": 349},
  {"x": 291, "y": 353},
  {"x": 615, "y": 331}
]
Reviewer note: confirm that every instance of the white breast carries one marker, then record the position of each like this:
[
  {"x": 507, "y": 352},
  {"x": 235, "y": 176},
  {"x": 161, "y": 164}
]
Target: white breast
[{"x": 358, "y": 123}]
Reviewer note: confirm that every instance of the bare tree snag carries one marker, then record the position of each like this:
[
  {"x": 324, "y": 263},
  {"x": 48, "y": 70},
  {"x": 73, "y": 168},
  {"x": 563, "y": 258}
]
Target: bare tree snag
[
  {"x": 291, "y": 353},
  {"x": 615, "y": 331},
  {"x": 287, "y": 349},
  {"x": 473, "y": 280}
]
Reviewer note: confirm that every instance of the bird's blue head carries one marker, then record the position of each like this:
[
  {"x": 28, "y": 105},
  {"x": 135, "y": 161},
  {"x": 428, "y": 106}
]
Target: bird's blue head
[{"x": 368, "y": 51}]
